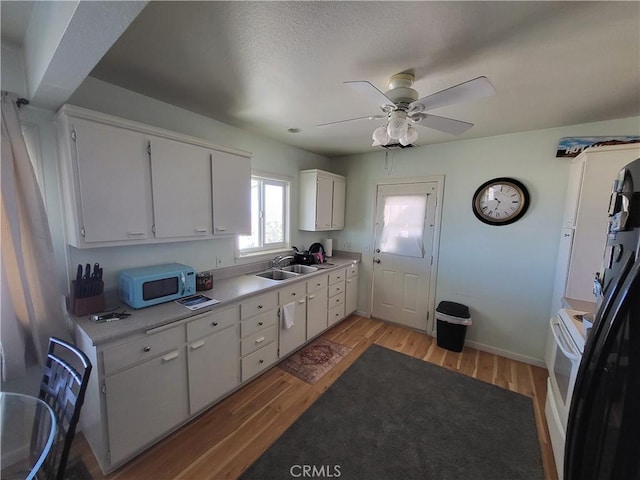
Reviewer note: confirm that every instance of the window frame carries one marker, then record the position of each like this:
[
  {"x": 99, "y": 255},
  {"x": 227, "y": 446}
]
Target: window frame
[{"x": 266, "y": 178}]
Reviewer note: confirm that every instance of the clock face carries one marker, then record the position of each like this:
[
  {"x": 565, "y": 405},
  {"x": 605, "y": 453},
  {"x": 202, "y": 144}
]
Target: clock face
[{"x": 500, "y": 201}]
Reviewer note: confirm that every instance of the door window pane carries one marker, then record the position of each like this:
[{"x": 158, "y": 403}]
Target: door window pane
[{"x": 403, "y": 227}]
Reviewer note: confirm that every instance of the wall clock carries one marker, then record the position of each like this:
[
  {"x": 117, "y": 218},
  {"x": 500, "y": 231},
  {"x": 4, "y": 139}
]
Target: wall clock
[{"x": 500, "y": 201}]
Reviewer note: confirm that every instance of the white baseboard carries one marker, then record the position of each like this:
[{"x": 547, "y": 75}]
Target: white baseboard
[
  {"x": 485, "y": 348},
  {"x": 506, "y": 353}
]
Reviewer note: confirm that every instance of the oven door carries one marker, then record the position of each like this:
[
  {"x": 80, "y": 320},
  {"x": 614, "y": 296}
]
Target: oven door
[{"x": 564, "y": 360}]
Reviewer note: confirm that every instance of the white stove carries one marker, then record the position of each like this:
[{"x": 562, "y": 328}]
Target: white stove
[{"x": 577, "y": 326}]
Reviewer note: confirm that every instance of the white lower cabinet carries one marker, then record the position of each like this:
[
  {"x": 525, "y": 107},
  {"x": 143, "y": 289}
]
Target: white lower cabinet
[
  {"x": 335, "y": 302},
  {"x": 258, "y": 333},
  {"x": 141, "y": 405},
  {"x": 147, "y": 386},
  {"x": 351, "y": 290},
  {"x": 292, "y": 328},
  {"x": 213, "y": 360},
  {"x": 317, "y": 305}
]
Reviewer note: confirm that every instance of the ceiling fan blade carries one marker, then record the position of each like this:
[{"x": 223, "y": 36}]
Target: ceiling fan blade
[
  {"x": 473, "y": 89},
  {"x": 369, "y": 117},
  {"x": 443, "y": 124},
  {"x": 367, "y": 90}
]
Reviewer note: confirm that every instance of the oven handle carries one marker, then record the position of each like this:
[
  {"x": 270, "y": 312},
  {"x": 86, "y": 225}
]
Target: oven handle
[{"x": 561, "y": 341}]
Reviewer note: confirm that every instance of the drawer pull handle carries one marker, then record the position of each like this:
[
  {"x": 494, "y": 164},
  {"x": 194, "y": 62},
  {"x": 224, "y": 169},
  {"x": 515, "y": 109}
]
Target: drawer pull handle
[
  {"x": 260, "y": 323},
  {"x": 197, "y": 345},
  {"x": 200, "y": 230},
  {"x": 260, "y": 340},
  {"x": 171, "y": 356},
  {"x": 215, "y": 324},
  {"x": 311, "y": 297},
  {"x": 293, "y": 293},
  {"x": 260, "y": 361},
  {"x": 259, "y": 306},
  {"x": 147, "y": 349},
  {"x": 135, "y": 234},
  {"x": 300, "y": 302}
]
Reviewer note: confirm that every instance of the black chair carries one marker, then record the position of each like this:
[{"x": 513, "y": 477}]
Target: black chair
[{"x": 64, "y": 383}]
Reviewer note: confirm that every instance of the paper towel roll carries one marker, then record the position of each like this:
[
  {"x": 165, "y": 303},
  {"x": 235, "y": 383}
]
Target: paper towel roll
[{"x": 328, "y": 247}]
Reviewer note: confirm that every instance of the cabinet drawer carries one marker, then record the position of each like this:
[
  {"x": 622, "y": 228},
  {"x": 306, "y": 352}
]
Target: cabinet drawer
[
  {"x": 317, "y": 283},
  {"x": 210, "y": 322},
  {"x": 336, "y": 277},
  {"x": 258, "y": 322},
  {"x": 259, "y": 304},
  {"x": 336, "y": 288},
  {"x": 352, "y": 270},
  {"x": 145, "y": 348},
  {"x": 259, "y": 361},
  {"x": 292, "y": 293},
  {"x": 258, "y": 340},
  {"x": 336, "y": 300},
  {"x": 335, "y": 314}
]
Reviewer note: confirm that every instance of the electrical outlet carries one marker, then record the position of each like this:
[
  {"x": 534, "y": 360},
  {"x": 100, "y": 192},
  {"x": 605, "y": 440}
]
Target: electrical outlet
[{"x": 218, "y": 261}]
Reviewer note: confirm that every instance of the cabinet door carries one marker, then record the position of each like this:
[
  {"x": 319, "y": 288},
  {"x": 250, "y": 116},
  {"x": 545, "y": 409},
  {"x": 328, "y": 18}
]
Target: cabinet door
[
  {"x": 181, "y": 181},
  {"x": 316, "y": 313},
  {"x": 573, "y": 192},
  {"x": 324, "y": 201},
  {"x": 562, "y": 269},
  {"x": 231, "y": 193},
  {"x": 143, "y": 404},
  {"x": 351, "y": 295},
  {"x": 339, "y": 195},
  {"x": 292, "y": 338},
  {"x": 114, "y": 182},
  {"x": 214, "y": 367}
]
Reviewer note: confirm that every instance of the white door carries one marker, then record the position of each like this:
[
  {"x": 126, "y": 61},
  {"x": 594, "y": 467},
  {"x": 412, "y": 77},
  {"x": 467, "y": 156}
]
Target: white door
[{"x": 403, "y": 249}]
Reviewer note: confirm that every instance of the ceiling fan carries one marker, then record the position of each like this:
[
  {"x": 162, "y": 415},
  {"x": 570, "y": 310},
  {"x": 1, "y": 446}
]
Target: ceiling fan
[{"x": 403, "y": 109}]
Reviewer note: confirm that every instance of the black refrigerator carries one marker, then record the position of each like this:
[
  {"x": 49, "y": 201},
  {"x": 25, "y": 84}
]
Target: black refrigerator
[{"x": 603, "y": 430}]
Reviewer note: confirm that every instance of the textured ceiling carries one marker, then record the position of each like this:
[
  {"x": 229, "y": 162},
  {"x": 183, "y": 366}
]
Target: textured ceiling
[{"x": 271, "y": 66}]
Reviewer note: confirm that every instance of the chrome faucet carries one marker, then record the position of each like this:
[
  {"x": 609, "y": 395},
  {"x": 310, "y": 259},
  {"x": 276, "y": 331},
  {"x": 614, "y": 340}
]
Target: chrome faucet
[{"x": 277, "y": 262}]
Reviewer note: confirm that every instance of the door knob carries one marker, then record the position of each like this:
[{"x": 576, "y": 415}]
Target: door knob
[
  {"x": 377, "y": 260},
  {"x": 377, "y": 250}
]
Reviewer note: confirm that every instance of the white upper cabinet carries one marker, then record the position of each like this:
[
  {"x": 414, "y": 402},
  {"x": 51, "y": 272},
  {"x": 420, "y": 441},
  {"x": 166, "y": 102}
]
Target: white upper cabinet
[
  {"x": 126, "y": 183},
  {"x": 181, "y": 181},
  {"x": 112, "y": 181},
  {"x": 322, "y": 201},
  {"x": 231, "y": 193},
  {"x": 584, "y": 234}
]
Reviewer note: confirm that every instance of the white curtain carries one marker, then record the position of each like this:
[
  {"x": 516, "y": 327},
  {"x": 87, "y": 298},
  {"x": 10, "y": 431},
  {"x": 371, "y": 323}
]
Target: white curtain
[{"x": 31, "y": 306}]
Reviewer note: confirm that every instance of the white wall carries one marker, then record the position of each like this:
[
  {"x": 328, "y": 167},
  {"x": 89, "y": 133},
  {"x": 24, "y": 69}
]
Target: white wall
[{"x": 504, "y": 274}]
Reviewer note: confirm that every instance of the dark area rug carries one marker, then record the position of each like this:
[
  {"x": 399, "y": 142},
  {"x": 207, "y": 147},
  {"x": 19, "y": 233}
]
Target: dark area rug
[
  {"x": 312, "y": 362},
  {"x": 391, "y": 416}
]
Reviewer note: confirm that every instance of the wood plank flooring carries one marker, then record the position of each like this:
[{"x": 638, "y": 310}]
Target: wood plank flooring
[{"x": 226, "y": 439}]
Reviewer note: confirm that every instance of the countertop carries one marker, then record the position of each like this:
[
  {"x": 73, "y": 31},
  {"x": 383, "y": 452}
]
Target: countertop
[{"x": 227, "y": 290}]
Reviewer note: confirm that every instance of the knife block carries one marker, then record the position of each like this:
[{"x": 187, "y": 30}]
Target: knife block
[{"x": 85, "y": 305}]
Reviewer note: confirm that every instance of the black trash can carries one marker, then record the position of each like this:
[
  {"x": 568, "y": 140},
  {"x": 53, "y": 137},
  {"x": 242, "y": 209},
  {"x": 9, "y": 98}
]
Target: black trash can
[{"x": 453, "y": 319}]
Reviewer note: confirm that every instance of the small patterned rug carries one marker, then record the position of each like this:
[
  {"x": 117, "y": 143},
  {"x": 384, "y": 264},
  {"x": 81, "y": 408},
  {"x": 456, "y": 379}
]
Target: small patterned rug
[{"x": 310, "y": 363}]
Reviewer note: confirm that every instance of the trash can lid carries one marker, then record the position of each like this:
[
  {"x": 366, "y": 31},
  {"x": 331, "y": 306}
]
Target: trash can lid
[{"x": 453, "y": 309}]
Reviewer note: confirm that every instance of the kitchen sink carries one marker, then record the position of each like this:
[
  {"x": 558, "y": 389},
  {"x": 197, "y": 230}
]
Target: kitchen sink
[
  {"x": 276, "y": 275},
  {"x": 299, "y": 269}
]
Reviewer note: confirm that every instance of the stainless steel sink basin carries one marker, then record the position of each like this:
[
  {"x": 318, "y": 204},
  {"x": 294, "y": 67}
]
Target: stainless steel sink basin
[
  {"x": 300, "y": 269},
  {"x": 276, "y": 275}
]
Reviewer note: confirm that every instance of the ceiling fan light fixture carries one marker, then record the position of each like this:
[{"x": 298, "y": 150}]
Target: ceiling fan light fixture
[
  {"x": 398, "y": 124},
  {"x": 410, "y": 137},
  {"x": 380, "y": 136}
]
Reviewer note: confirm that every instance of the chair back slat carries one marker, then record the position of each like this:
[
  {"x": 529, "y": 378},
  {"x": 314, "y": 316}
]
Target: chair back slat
[{"x": 64, "y": 383}]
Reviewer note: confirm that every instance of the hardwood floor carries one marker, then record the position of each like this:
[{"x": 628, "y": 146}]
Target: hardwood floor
[{"x": 226, "y": 439}]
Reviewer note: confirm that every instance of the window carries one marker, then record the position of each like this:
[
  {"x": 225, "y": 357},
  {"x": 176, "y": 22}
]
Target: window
[{"x": 269, "y": 216}]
